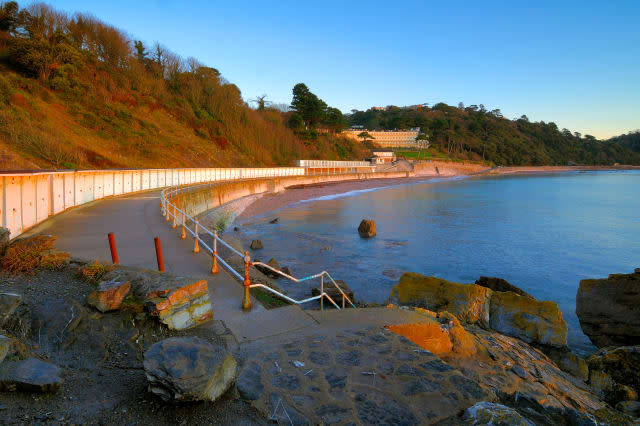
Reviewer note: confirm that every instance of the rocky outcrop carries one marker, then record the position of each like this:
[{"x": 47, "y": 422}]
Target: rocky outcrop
[
  {"x": 528, "y": 319},
  {"x": 499, "y": 284},
  {"x": 109, "y": 295},
  {"x": 182, "y": 369},
  {"x": 5, "y": 345},
  {"x": 9, "y": 302},
  {"x": 490, "y": 413},
  {"x": 568, "y": 362},
  {"x": 609, "y": 309},
  {"x": 367, "y": 228},
  {"x": 611, "y": 367},
  {"x": 256, "y": 245},
  {"x": 469, "y": 303},
  {"x": 30, "y": 375},
  {"x": 178, "y": 302}
]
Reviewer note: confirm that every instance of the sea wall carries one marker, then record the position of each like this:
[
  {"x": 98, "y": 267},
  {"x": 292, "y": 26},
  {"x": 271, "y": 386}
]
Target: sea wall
[
  {"x": 212, "y": 196},
  {"x": 445, "y": 168}
]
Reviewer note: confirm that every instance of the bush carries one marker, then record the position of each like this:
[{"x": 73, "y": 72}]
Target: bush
[
  {"x": 93, "y": 272},
  {"x": 5, "y": 90},
  {"x": 28, "y": 254}
]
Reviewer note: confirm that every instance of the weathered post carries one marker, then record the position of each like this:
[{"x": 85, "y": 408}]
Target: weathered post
[
  {"x": 246, "y": 301},
  {"x": 114, "y": 250},
  {"x": 175, "y": 225},
  {"x": 214, "y": 260},
  {"x": 159, "y": 257},
  {"x": 183, "y": 234},
  {"x": 196, "y": 246}
]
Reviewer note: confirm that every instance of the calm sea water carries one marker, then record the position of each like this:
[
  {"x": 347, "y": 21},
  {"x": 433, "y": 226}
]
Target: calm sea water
[{"x": 542, "y": 233}]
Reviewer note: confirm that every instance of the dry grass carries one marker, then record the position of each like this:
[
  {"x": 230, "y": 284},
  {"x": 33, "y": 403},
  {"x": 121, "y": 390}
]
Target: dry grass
[
  {"x": 93, "y": 272},
  {"x": 26, "y": 255}
]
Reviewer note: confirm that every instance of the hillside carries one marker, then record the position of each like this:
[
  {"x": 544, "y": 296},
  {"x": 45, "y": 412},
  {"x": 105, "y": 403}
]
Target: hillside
[
  {"x": 78, "y": 93},
  {"x": 477, "y": 134},
  {"x": 630, "y": 140}
]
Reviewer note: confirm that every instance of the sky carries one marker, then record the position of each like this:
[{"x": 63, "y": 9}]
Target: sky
[{"x": 576, "y": 63}]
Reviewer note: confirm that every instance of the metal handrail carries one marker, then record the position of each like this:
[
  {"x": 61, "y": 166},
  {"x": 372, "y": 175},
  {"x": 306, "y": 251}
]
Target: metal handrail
[{"x": 171, "y": 211}]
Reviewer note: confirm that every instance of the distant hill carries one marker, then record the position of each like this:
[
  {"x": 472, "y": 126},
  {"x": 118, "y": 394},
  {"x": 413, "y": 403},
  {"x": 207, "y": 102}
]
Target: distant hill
[
  {"x": 76, "y": 92},
  {"x": 631, "y": 140},
  {"x": 477, "y": 134}
]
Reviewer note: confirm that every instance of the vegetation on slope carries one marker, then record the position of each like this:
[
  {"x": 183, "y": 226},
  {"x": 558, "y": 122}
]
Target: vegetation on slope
[
  {"x": 630, "y": 140},
  {"x": 78, "y": 93},
  {"x": 477, "y": 134}
]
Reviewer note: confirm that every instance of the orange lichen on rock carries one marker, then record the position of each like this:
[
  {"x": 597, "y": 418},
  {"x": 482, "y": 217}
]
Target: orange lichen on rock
[
  {"x": 428, "y": 336},
  {"x": 109, "y": 295}
]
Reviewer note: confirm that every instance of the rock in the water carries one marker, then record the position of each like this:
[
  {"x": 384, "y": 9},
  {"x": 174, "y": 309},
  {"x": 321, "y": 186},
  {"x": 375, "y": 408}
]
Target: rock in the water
[
  {"x": 568, "y": 362},
  {"x": 608, "y": 309},
  {"x": 9, "y": 302},
  {"x": 268, "y": 272},
  {"x": 256, "y": 245},
  {"x": 334, "y": 293},
  {"x": 631, "y": 408},
  {"x": 528, "y": 319},
  {"x": 109, "y": 295},
  {"x": 5, "y": 345},
  {"x": 276, "y": 220},
  {"x": 30, "y": 375},
  {"x": 611, "y": 366},
  {"x": 367, "y": 228},
  {"x": 468, "y": 302},
  {"x": 499, "y": 284},
  {"x": 286, "y": 270},
  {"x": 183, "y": 369},
  {"x": 489, "y": 413}
]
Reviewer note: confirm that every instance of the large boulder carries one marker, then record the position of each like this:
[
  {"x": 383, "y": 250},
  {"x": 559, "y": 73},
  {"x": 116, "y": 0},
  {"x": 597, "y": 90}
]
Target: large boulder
[
  {"x": 468, "y": 302},
  {"x": 9, "y": 302},
  {"x": 181, "y": 369},
  {"x": 611, "y": 366},
  {"x": 256, "y": 245},
  {"x": 30, "y": 375},
  {"x": 500, "y": 284},
  {"x": 528, "y": 319},
  {"x": 609, "y": 309},
  {"x": 109, "y": 295},
  {"x": 367, "y": 228}
]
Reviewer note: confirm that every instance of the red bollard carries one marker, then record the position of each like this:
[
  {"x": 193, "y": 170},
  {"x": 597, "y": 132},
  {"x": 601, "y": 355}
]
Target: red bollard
[
  {"x": 114, "y": 250},
  {"x": 159, "y": 254}
]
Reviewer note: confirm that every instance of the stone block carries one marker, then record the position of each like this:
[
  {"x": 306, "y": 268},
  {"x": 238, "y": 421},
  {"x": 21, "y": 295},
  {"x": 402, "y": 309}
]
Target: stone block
[{"x": 109, "y": 295}]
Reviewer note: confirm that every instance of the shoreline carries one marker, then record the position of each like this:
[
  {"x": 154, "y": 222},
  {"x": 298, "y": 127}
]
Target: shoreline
[{"x": 272, "y": 202}]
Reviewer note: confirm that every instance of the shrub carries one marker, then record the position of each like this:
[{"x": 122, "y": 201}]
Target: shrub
[
  {"x": 93, "y": 272},
  {"x": 28, "y": 254},
  {"x": 5, "y": 90}
]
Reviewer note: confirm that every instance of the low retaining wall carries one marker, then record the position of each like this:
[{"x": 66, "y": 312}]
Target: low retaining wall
[
  {"x": 445, "y": 168},
  {"x": 211, "y": 197}
]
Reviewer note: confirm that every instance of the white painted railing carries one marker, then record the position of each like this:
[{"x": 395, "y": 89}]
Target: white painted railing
[{"x": 29, "y": 198}]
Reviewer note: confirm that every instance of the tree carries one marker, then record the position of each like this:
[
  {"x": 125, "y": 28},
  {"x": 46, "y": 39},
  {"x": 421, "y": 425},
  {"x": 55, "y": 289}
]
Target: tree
[
  {"x": 335, "y": 120},
  {"x": 308, "y": 105},
  {"x": 141, "y": 52},
  {"x": 296, "y": 122},
  {"x": 365, "y": 136},
  {"x": 260, "y": 101},
  {"x": 8, "y": 17}
]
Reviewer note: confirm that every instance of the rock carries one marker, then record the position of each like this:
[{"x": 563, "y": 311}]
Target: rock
[
  {"x": 4, "y": 239},
  {"x": 109, "y": 295},
  {"x": 367, "y": 228},
  {"x": 631, "y": 408},
  {"x": 276, "y": 220},
  {"x": 30, "y": 375},
  {"x": 469, "y": 303},
  {"x": 268, "y": 272},
  {"x": 490, "y": 413},
  {"x": 9, "y": 302},
  {"x": 178, "y": 302},
  {"x": 286, "y": 270},
  {"x": 528, "y": 319},
  {"x": 256, "y": 245},
  {"x": 499, "y": 284},
  {"x": 181, "y": 369},
  {"x": 615, "y": 365},
  {"x": 236, "y": 229},
  {"x": 334, "y": 293},
  {"x": 608, "y": 309},
  {"x": 5, "y": 345},
  {"x": 519, "y": 371},
  {"x": 568, "y": 362},
  {"x": 623, "y": 393}
]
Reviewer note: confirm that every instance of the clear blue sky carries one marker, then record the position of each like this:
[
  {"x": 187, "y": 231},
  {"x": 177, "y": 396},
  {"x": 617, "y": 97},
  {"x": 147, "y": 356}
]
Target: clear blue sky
[{"x": 576, "y": 63}]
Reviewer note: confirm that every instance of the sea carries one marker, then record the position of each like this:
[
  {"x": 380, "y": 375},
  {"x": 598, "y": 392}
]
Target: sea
[{"x": 541, "y": 232}]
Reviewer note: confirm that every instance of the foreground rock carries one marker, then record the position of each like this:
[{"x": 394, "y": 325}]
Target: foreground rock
[
  {"x": 178, "y": 302},
  {"x": 334, "y": 293},
  {"x": 611, "y": 367},
  {"x": 609, "y": 309},
  {"x": 506, "y": 312},
  {"x": 268, "y": 272},
  {"x": 367, "y": 228},
  {"x": 499, "y": 284},
  {"x": 109, "y": 295},
  {"x": 9, "y": 302},
  {"x": 568, "y": 362},
  {"x": 181, "y": 369},
  {"x": 528, "y": 319},
  {"x": 30, "y": 375},
  {"x": 489, "y": 413}
]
